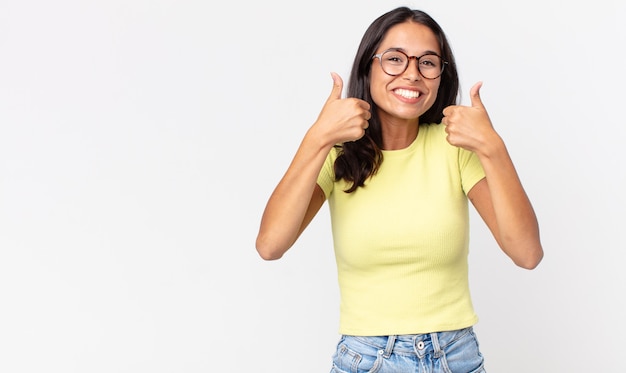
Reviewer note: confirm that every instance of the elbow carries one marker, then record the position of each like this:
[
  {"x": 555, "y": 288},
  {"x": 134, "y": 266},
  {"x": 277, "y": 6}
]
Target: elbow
[
  {"x": 531, "y": 260},
  {"x": 268, "y": 254},
  {"x": 267, "y": 250}
]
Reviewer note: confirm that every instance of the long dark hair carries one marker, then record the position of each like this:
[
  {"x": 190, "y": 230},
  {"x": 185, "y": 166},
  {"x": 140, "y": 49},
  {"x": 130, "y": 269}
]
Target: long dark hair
[{"x": 360, "y": 159}]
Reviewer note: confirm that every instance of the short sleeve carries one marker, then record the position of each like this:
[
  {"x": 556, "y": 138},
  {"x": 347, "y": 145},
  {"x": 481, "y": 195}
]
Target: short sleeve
[
  {"x": 326, "y": 177},
  {"x": 470, "y": 168}
]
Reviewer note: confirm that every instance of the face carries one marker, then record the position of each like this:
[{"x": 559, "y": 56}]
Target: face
[{"x": 403, "y": 98}]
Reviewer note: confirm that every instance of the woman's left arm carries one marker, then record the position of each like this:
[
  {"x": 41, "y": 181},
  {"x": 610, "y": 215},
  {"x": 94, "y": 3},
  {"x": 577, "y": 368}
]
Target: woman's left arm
[{"x": 499, "y": 198}]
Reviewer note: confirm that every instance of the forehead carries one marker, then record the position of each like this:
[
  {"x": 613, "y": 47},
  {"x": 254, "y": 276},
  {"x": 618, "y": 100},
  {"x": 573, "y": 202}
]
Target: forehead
[{"x": 414, "y": 38}]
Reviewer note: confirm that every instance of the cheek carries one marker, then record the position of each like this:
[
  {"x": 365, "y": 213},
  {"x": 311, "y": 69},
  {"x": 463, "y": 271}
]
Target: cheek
[
  {"x": 377, "y": 95},
  {"x": 378, "y": 86},
  {"x": 434, "y": 91}
]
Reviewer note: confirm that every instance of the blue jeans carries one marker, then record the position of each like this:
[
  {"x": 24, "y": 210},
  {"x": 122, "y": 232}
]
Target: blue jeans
[{"x": 450, "y": 352}]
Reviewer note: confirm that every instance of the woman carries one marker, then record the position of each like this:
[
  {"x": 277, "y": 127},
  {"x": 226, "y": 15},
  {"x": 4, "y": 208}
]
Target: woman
[{"x": 398, "y": 161}]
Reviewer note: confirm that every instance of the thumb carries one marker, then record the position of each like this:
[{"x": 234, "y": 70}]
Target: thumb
[
  {"x": 335, "y": 94},
  {"x": 475, "y": 95}
]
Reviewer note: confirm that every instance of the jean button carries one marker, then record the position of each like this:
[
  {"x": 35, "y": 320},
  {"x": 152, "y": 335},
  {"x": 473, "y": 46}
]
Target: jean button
[{"x": 420, "y": 345}]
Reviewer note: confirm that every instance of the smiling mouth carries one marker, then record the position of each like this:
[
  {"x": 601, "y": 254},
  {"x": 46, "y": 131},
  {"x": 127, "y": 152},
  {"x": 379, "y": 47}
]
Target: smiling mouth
[{"x": 407, "y": 93}]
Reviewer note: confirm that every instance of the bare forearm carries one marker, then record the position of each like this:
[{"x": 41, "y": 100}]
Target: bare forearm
[
  {"x": 500, "y": 199},
  {"x": 292, "y": 206},
  {"x": 287, "y": 206},
  {"x": 517, "y": 227}
]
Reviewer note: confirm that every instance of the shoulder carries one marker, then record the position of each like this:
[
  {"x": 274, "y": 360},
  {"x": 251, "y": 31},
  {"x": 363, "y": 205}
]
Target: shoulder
[
  {"x": 434, "y": 134},
  {"x": 334, "y": 152},
  {"x": 326, "y": 177},
  {"x": 432, "y": 129}
]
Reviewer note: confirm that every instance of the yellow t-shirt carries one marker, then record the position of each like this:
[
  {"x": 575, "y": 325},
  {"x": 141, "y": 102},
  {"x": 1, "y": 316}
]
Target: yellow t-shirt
[{"x": 401, "y": 241}]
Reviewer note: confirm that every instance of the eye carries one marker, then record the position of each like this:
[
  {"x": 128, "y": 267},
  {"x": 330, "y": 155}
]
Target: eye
[
  {"x": 430, "y": 61},
  {"x": 394, "y": 58}
]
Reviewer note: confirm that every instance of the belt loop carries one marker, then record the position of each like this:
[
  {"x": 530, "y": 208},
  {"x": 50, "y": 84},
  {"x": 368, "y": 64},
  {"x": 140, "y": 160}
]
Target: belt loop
[
  {"x": 437, "y": 353},
  {"x": 391, "y": 340}
]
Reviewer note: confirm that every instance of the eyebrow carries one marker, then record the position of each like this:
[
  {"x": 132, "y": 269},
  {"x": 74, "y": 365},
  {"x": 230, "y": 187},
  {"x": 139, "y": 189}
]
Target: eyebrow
[{"x": 404, "y": 51}]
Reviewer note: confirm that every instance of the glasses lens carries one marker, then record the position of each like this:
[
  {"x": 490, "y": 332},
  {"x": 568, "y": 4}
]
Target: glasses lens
[
  {"x": 394, "y": 62},
  {"x": 430, "y": 66}
]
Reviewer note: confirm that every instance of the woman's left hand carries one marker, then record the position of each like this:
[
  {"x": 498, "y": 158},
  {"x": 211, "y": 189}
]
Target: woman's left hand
[{"x": 469, "y": 127}]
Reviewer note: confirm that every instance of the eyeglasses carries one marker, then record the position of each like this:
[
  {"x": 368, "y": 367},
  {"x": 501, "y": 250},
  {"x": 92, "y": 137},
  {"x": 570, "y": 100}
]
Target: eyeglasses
[{"x": 395, "y": 62}]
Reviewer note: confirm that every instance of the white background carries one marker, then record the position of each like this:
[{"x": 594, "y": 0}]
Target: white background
[{"x": 140, "y": 140}]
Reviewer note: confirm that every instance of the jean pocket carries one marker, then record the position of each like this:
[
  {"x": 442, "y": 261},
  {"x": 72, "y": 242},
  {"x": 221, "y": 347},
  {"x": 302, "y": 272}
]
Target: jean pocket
[
  {"x": 463, "y": 355},
  {"x": 348, "y": 359}
]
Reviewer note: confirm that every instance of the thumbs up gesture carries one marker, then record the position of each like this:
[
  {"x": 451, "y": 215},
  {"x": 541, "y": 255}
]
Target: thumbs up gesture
[
  {"x": 342, "y": 120},
  {"x": 469, "y": 127}
]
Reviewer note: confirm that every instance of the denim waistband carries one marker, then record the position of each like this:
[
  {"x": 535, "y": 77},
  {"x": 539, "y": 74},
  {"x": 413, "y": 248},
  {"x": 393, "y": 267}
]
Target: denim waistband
[{"x": 420, "y": 344}]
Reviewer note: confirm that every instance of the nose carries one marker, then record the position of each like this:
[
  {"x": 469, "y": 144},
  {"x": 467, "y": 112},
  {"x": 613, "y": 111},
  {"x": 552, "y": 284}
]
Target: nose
[{"x": 412, "y": 71}]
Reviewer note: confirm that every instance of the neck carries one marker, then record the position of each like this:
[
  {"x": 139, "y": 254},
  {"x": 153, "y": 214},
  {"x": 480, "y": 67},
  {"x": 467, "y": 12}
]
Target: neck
[{"x": 396, "y": 136}]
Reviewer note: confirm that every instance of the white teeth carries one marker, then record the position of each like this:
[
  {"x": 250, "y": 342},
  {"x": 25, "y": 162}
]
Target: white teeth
[{"x": 407, "y": 94}]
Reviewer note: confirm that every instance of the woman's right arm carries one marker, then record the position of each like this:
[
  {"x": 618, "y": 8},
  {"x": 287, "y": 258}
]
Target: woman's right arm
[{"x": 297, "y": 198}]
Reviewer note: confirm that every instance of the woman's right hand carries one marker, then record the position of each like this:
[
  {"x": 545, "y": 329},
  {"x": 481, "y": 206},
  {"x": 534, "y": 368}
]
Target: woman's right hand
[{"x": 342, "y": 120}]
